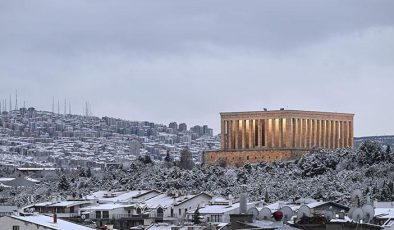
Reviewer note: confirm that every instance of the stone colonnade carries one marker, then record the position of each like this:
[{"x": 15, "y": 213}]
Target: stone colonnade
[{"x": 263, "y": 130}]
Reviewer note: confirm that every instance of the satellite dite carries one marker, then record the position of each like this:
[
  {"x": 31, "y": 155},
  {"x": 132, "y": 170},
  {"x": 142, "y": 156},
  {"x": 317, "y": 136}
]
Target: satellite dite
[{"x": 361, "y": 213}]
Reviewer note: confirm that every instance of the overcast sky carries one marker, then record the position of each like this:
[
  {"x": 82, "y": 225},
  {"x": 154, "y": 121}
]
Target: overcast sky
[{"x": 187, "y": 61}]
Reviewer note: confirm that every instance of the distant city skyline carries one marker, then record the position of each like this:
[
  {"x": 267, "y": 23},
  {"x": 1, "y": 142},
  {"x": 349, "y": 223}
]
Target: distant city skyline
[{"x": 188, "y": 61}]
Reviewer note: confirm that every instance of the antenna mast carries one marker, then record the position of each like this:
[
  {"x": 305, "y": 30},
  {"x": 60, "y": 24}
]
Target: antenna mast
[{"x": 16, "y": 99}]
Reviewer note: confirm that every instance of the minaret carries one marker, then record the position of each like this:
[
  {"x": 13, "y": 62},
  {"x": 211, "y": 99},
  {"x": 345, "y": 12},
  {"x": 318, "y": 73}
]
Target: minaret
[
  {"x": 0, "y": 108},
  {"x": 24, "y": 104},
  {"x": 69, "y": 108},
  {"x": 58, "y": 106}
]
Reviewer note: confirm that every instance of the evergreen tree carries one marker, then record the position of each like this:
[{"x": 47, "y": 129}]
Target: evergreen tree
[
  {"x": 88, "y": 173},
  {"x": 196, "y": 216},
  {"x": 63, "y": 183},
  {"x": 266, "y": 197},
  {"x": 168, "y": 157}
]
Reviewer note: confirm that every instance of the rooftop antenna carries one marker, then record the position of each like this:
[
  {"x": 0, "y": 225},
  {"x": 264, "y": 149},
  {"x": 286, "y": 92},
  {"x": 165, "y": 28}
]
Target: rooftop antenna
[
  {"x": 53, "y": 104},
  {"x": 58, "y": 106},
  {"x": 16, "y": 99}
]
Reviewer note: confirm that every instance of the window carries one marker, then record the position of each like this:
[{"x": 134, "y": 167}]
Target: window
[
  {"x": 215, "y": 218},
  {"x": 180, "y": 212},
  {"x": 15, "y": 227},
  {"x": 105, "y": 214},
  {"x": 98, "y": 214}
]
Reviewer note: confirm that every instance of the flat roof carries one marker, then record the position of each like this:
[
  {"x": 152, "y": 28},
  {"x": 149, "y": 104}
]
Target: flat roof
[{"x": 285, "y": 113}]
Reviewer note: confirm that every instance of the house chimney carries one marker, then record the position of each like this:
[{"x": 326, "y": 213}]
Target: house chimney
[{"x": 55, "y": 218}]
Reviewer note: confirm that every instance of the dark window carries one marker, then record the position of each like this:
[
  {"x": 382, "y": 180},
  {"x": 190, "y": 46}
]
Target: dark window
[
  {"x": 105, "y": 214},
  {"x": 98, "y": 214},
  {"x": 180, "y": 212},
  {"x": 15, "y": 227},
  {"x": 247, "y": 158}
]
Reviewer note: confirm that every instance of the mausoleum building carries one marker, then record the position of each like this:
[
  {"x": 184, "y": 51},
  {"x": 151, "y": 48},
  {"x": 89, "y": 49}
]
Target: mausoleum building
[{"x": 253, "y": 137}]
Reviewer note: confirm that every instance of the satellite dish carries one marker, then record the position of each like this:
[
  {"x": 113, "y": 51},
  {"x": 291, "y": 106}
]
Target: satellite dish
[
  {"x": 329, "y": 215},
  {"x": 304, "y": 211},
  {"x": 357, "y": 195},
  {"x": 287, "y": 213},
  {"x": 253, "y": 211},
  {"x": 357, "y": 215},
  {"x": 265, "y": 214},
  {"x": 369, "y": 212}
]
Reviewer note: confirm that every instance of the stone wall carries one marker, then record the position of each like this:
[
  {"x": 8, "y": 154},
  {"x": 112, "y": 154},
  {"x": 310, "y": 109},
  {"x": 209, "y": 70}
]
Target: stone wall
[{"x": 239, "y": 158}]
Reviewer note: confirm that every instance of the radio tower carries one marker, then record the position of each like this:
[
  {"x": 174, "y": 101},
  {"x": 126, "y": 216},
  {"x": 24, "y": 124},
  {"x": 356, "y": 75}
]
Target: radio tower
[
  {"x": 16, "y": 99},
  {"x": 10, "y": 103}
]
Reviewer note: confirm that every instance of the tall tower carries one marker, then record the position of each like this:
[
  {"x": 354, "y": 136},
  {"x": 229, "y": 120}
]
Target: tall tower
[
  {"x": 10, "y": 103},
  {"x": 16, "y": 99},
  {"x": 69, "y": 108},
  {"x": 58, "y": 106}
]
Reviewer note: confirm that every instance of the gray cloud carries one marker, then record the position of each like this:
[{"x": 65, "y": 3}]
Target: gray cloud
[{"x": 189, "y": 60}]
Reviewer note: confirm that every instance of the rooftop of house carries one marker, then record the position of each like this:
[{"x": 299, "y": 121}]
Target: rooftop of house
[
  {"x": 47, "y": 221},
  {"x": 8, "y": 209},
  {"x": 120, "y": 196}
]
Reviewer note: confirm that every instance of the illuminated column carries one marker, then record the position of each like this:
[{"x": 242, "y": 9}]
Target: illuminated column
[
  {"x": 281, "y": 133},
  {"x": 259, "y": 138},
  {"x": 328, "y": 133},
  {"x": 308, "y": 133},
  {"x": 303, "y": 131},
  {"x": 319, "y": 136},
  {"x": 236, "y": 134},
  {"x": 289, "y": 132},
  {"x": 324, "y": 134},
  {"x": 265, "y": 131},
  {"x": 337, "y": 133},
  {"x": 314, "y": 126},
  {"x": 298, "y": 132},
  {"x": 346, "y": 134},
  {"x": 270, "y": 133},
  {"x": 230, "y": 134},
  {"x": 351, "y": 135},
  {"x": 243, "y": 122},
  {"x": 251, "y": 139},
  {"x": 333, "y": 133},
  {"x": 222, "y": 135},
  {"x": 277, "y": 133}
]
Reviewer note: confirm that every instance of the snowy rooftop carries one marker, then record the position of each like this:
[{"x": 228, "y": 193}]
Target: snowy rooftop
[
  {"x": 110, "y": 206},
  {"x": 47, "y": 221},
  {"x": 384, "y": 213},
  {"x": 123, "y": 196},
  {"x": 62, "y": 203}
]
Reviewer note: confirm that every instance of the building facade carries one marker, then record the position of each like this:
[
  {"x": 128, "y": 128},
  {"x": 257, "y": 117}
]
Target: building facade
[{"x": 253, "y": 137}]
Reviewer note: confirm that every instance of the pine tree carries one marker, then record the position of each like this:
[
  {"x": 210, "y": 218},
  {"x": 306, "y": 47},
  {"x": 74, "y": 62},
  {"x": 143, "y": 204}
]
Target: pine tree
[
  {"x": 88, "y": 173},
  {"x": 196, "y": 216},
  {"x": 168, "y": 157},
  {"x": 63, "y": 183}
]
